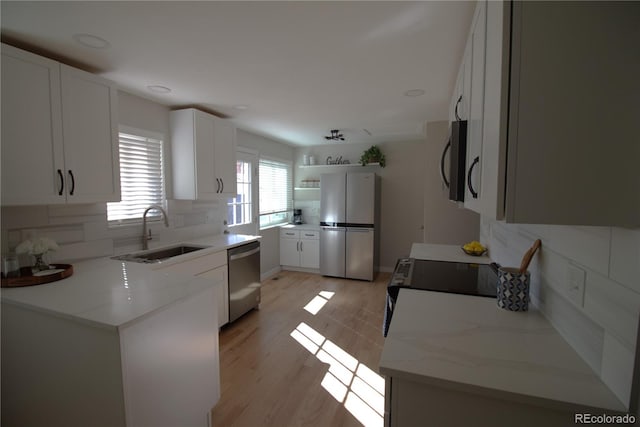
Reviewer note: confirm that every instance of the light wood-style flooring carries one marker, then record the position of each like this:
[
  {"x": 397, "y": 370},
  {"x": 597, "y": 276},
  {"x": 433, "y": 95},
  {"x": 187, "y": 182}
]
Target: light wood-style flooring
[{"x": 271, "y": 378}]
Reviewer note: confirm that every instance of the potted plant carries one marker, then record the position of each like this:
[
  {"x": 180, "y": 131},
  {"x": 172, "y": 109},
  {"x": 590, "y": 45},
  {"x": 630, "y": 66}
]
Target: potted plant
[{"x": 372, "y": 155}]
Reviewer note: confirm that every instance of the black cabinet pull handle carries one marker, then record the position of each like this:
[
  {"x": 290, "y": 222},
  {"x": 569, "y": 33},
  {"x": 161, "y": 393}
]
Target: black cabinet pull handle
[
  {"x": 444, "y": 153},
  {"x": 222, "y": 189},
  {"x": 73, "y": 183},
  {"x": 61, "y": 182},
  {"x": 473, "y": 192},
  {"x": 456, "y": 109}
]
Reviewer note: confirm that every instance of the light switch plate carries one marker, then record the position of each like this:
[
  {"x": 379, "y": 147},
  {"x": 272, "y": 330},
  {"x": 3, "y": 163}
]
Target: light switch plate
[{"x": 576, "y": 278}]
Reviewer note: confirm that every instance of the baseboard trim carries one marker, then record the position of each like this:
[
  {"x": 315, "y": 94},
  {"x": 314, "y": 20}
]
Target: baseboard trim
[{"x": 267, "y": 274}]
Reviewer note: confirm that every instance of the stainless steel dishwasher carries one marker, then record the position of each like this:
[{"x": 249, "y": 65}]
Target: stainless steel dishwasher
[{"x": 244, "y": 279}]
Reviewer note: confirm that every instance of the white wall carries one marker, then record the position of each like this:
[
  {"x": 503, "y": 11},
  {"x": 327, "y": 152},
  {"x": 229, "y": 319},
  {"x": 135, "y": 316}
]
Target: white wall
[
  {"x": 402, "y": 192},
  {"x": 602, "y": 327}
]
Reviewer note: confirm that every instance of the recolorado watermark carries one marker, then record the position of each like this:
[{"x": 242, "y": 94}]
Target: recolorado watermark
[{"x": 587, "y": 418}]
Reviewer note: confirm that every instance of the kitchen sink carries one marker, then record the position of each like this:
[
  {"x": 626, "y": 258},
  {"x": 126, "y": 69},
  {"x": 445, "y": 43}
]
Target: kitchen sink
[{"x": 158, "y": 255}]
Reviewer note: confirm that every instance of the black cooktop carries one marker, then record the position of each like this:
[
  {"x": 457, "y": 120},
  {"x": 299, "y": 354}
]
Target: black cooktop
[{"x": 445, "y": 276}]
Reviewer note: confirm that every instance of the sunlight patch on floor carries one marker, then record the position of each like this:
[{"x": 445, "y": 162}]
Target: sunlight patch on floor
[
  {"x": 316, "y": 304},
  {"x": 350, "y": 382}
]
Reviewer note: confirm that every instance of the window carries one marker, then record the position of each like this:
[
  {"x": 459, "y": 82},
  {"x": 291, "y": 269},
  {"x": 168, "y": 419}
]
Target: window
[
  {"x": 239, "y": 207},
  {"x": 275, "y": 192},
  {"x": 141, "y": 177}
]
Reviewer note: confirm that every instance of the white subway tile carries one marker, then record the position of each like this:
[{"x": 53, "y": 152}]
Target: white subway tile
[
  {"x": 617, "y": 364},
  {"x": 613, "y": 306},
  {"x": 83, "y": 250},
  {"x": 78, "y": 210},
  {"x": 625, "y": 257},
  {"x": 24, "y": 216},
  {"x": 585, "y": 336},
  {"x": 588, "y": 246},
  {"x": 64, "y": 220},
  {"x": 61, "y": 235}
]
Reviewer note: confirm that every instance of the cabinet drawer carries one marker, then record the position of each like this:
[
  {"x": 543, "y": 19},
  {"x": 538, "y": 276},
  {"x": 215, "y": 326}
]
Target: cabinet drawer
[
  {"x": 198, "y": 265},
  {"x": 288, "y": 233},
  {"x": 309, "y": 234}
]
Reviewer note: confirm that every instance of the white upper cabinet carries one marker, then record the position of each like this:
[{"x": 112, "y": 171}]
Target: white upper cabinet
[
  {"x": 559, "y": 123},
  {"x": 476, "y": 46},
  {"x": 59, "y": 133},
  {"x": 90, "y": 129},
  {"x": 204, "y": 155}
]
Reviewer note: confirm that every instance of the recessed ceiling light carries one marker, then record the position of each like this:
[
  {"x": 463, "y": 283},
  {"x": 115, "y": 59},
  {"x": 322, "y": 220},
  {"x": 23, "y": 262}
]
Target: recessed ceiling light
[
  {"x": 241, "y": 107},
  {"x": 89, "y": 40},
  {"x": 158, "y": 89},
  {"x": 414, "y": 92}
]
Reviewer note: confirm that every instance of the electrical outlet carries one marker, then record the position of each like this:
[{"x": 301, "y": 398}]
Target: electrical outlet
[{"x": 575, "y": 285}]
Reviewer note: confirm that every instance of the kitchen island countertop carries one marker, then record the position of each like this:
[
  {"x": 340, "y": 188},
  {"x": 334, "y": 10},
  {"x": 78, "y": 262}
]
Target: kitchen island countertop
[{"x": 110, "y": 293}]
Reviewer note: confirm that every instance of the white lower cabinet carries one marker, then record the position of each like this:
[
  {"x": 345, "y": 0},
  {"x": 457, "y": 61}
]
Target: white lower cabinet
[
  {"x": 210, "y": 266},
  {"x": 412, "y": 402},
  {"x": 170, "y": 365},
  {"x": 299, "y": 248},
  {"x": 159, "y": 370},
  {"x": 220, "y": 274}
]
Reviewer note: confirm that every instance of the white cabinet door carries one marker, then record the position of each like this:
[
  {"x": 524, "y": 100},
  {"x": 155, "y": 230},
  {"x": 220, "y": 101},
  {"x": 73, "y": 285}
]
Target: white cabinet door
[
  {"x": 203, "y": 156},
  {"x": 289, "y": 252},
  {"x": 220, "y": 274},
  {"x": 171, "y": 369},
  {"x": 310, "y": 253},
  {"x": 494, "y": 131},
  {"x": 309, "y": 249},
  {"x": 89, "y": 123},
  {"x": 59, "y": 133},
  {"x": 206, "y": 183},
  {"x": 476, "y": 109},
  {"x": 32, "y": 163},
  {"x": 225, "y": 156}
]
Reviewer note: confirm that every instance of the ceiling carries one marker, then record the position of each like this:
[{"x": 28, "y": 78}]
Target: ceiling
[{"x": 302, "y": 68}]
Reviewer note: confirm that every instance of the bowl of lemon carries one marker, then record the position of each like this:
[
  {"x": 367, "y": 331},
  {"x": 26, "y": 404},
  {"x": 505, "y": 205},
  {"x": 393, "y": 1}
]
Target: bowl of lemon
[{"x": 474, "y": 248}]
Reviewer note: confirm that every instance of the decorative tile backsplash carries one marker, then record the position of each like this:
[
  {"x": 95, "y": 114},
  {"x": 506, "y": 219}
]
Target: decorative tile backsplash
[{"x": 598, "y": 319}]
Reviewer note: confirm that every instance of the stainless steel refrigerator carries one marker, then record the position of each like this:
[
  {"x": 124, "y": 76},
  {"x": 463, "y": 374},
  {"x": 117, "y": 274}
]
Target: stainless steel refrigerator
[{"x": 349, "y": 216}]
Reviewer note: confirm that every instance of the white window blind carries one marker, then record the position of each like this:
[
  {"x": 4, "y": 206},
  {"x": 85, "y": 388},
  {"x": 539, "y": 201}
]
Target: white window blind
[
  {"x": 276, "y": 194},
  {"x": 141, "y": 177}
]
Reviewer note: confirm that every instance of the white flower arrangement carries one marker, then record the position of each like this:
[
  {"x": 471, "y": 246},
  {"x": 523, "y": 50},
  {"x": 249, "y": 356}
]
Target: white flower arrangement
[{"x": 38, "y": 246}]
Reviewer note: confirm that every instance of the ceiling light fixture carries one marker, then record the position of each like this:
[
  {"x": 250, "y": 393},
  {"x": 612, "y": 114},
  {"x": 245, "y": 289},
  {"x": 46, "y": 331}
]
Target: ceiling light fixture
[
  {"x": 335, "y": 136},
  {"x": 414, "y": 92},
  {"x": 89, "y": 40},
  {"x": 158, "y": 89}
]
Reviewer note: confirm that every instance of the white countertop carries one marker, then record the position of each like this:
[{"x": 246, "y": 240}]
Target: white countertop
[
  {"x": 314, "y": 227},
  {"x": 467, "y": 343},
  {"x": 110, "y": 293},
  {"x": 450, "y": 253}
]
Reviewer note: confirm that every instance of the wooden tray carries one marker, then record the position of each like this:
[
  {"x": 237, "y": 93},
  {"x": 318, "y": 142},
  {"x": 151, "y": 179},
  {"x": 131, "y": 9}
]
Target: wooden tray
[{"x": 27, "y": 279}]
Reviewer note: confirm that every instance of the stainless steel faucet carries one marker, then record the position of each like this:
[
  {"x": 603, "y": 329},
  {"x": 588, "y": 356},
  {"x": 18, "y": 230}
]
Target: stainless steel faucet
[{"x": 147, "y": 236}]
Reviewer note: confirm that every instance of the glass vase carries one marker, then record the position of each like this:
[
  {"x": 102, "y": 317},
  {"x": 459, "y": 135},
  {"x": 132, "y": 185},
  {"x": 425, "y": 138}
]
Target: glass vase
[{"x": 39, "y": 265}]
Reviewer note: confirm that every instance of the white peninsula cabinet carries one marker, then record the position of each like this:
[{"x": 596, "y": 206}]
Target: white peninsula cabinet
[
  {"x": 556, "y": 134},
  {"x": 299, "y": 248},
  {"x": 59, "y": 133},
  {"x": 114, "y": 345},
  {"x": 210, "y": 266},
  {"x": 203, "y": 154}
]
